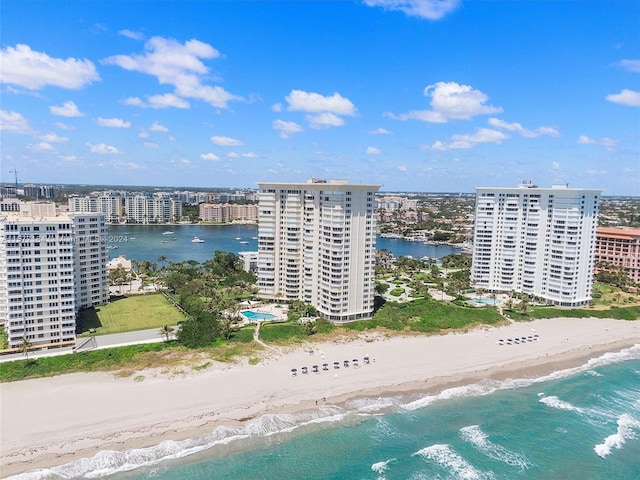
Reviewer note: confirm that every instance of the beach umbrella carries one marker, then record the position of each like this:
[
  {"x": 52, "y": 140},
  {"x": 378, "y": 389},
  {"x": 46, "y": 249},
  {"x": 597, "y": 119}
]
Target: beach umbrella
[
  {"x": 315, "y": 369},
  {"x": 336, "y": 364},
  {"x": 346, "y": 363},
  {"x": 366, "y": 359},
  {"x": 325, "y": 366},
  {"x": 294, "y": 371},
  {"x": 304, "y": 369}
]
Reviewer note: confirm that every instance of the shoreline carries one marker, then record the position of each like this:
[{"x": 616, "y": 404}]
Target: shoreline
[{"x": 97, "y": 411}]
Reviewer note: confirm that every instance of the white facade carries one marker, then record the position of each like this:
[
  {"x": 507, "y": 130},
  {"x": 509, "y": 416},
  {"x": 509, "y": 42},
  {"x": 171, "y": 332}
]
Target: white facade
[
  {"x": 538, "y": 241},
  {"x": 317, "y": 244},
  {"x": 109, "y": 203},
  {"x": 157, "y": 209},
  {"x": 50, "y": 267}
]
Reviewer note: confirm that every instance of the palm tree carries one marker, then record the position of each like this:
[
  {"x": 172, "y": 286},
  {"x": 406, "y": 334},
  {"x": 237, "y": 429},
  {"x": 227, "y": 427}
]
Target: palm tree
[
  {"x": 25, "y": 346},
  {"x": 166, "y": 332}
]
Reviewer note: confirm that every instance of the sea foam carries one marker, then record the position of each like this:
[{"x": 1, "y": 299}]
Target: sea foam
[
  {"x": 474, "y": 435},
  {"x": 452, "y": 462},
  {"x": 626, "y": 431}
]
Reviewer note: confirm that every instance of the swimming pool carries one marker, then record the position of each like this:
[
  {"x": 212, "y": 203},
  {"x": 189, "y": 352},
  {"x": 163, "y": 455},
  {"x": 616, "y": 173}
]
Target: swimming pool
[
  {"x": 486, "y": 301},
  {"x": 251, "y": 315}
]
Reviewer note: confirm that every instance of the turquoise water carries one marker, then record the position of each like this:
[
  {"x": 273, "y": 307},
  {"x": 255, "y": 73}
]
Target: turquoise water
[
  {"x": 258, "y": 315},
  {"x": 486, "y": 301},
  {"x": 582, "y": 423},
  {"x": 147, "y": 242}
]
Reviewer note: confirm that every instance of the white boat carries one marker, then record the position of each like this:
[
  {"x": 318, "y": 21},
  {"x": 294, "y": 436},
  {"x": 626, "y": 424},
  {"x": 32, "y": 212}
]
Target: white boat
[
  {"x": 132, "y": 238},
  {"x": 197, "y": 240},
  {"x": 244, "y": 242},
  {"x": 167, "y": 233},
  {"x": 238, "y": 238},
  {"x": 255, "y": 238}
]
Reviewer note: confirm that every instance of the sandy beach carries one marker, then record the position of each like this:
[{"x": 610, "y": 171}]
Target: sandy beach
[{"x": 53, "y": 421}]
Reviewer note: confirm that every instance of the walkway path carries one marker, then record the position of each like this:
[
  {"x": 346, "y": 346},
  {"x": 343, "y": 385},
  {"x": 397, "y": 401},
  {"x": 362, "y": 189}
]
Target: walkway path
[{"x": 256, "y": 338}]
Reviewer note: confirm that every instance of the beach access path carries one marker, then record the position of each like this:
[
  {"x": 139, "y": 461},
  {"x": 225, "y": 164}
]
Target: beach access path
[{"x": 53, "y": 421}]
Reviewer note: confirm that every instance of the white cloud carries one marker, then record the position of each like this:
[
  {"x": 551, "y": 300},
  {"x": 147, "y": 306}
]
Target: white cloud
[
  {"x": 13, "y": 122},
  {"x": 516, "y": 127},
  {"x": 53, "y": 138},
  {"x": 323, "y": 110},
  {"x": 379, "y": 131},
  {"x": 630, "y": 65},
  {"x": 373, "y": 151},
  {"x": 64, "y": 126},
  {"x": 276, "y": 107},
  {"x": 464, "y": 141},
  {"x": 627, "y": 97},
  {"x": 605, "y": 142},
  {"x": 69, "y": 158},
  {"x": 156, "y": 127},
  {"x": 151, "y": 145},
  {"x": 301, "y": 101},
  {"x": 250, "y": 155},
  {"x": 233, "y": 155},
  {"x": 450, "y": 101},
  {"x": 226, "y": 141},
  {"x": 103, "y": 149},
  {"x": 130, "y": 34},
  {"x": 112, "y": 123},
  {"x": 324, "y": 120},
  {"x": 34, "y": 70},
  {"x": 210, "y": 156},
  {"x": 555, "y": 166},
  {"x": 41, "y": 147},
  {"x": 68, "y": 109},
  {"x": 429, "y": 9},
  {"x": 179, "y": 65},
  {"x": 286, "y": 129},
  {"x": 596, "y": 172},
  {"x": 402, "y": 168},
  {"x": 167, "y": 100}
]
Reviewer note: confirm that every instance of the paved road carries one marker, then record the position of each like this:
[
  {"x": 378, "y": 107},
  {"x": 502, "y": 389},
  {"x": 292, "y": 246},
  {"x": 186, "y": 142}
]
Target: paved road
[{"x": 101, "y": 341}]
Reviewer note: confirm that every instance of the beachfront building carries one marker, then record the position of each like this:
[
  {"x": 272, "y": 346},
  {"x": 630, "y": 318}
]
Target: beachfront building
[
  {"x": 145, "y": 209},
  {"x": 228, "y": 212},
  {"x": 538, "y": 241},
  {"x": 51, "y": 266},
  {"x": 619, "y": 247},
  {"x": 109, "y": 203},
  {"x": 316, "y": 243}
]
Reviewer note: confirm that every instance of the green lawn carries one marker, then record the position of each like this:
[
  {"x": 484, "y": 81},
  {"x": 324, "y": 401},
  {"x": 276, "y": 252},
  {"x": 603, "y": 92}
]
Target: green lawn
[{"x": 125, "y": 314}]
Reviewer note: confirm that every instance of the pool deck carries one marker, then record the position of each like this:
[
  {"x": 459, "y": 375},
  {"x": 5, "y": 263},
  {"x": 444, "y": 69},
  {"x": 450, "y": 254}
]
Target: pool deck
[{"x": 279, "y": 312}]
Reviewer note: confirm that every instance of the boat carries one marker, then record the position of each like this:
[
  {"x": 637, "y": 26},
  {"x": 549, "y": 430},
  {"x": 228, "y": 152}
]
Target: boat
[
  {"x": 255, "y": 238},
  {"x": 132, "y": 238},
  {"x": 173, "y": 239},
  {"x": 238, "y": 238},
  {"x": 244, "y": 243},
  {"x": 197, "y": 240},
  {"x": 168, "y": 232},
  {"x": 165, "y": 241}
]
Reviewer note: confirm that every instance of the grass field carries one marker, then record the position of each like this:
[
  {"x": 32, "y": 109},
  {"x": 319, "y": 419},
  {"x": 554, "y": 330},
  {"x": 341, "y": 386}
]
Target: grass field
[{"x": 126, "y": 314}]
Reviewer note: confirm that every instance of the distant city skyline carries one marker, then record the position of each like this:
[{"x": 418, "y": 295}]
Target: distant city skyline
[{"x": 419, "y": 96}]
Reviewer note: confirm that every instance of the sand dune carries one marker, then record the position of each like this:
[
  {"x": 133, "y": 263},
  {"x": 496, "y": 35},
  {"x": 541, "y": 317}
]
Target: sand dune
[{"x": 52, "y": 421}]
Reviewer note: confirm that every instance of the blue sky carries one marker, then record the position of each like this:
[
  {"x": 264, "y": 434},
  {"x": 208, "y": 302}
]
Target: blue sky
[{"x": 440, "y": 95}]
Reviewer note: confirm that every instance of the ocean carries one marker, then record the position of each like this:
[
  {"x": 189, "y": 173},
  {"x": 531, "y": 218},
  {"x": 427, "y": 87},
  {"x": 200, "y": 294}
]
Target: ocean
[
  {"x": 580, "y": 423},
  {"x": 147, "y": 242}
]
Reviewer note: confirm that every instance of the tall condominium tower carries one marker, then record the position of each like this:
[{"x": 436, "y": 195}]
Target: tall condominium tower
[
  {"x": 538, "y": 241},
  {"x": 50, "y": 267},
  {"x": 317, "y": 244}
]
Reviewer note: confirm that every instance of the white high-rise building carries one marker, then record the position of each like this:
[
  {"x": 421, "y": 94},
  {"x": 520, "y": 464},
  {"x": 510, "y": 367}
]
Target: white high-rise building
[
  {"x": 50, "y": 267},
  {"x": 316, "y": 243},
  {"x": 109, "y": 203},
  {"x": 538, "y": 241}
]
